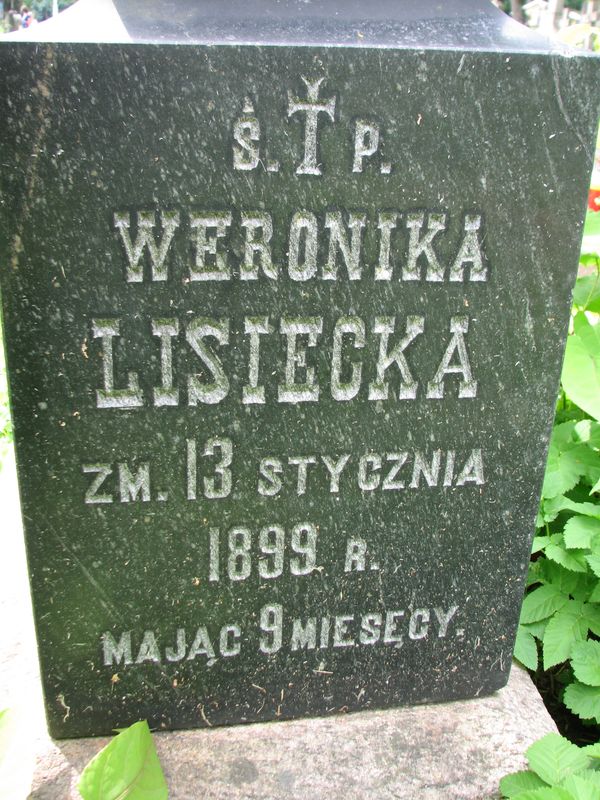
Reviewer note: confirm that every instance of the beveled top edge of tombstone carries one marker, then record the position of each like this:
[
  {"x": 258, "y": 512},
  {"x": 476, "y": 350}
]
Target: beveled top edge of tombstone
[
  {"x": 427, "y": 24},
  {"x": 466, "y": 25}
]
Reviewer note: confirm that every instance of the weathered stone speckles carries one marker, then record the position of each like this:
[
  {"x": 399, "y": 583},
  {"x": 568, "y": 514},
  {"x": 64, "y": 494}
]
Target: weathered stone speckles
[{"x": 284, "y": 332}]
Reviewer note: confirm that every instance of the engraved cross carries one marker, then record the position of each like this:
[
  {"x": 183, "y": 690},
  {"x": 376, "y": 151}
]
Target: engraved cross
[{"x": 313, "y": 108}]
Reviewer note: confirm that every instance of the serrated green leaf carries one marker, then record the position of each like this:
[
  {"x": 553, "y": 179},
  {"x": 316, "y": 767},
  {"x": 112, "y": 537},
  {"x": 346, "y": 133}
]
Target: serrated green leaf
[
  {"x": 564, "y": 467},
  {"x": 583, "y": 700},
  {"x": 589, "y": 461},
  {"x": 581, "y": 368},
  {"x": 534, "y": 573},
  {"x": 594, "y": 563},
  {"x": 585, "y": 661},
  {"x": 536, "y": 628},
  {"x": 541, "y": 603},
  {"x": 584, "y": 587},
  {"x": 580, "y": 531},
  {"x": 548, "y": 793},
  {"x": 539, "y": 519},
  {"x": 591, "y": 615},
  {"x": 552, "y": 506},
  {"x": 591, "y": 775},
  {"x": 553, "y": 758},
  {"x": 595, "y": 595},
  {"x": 517, "y": 782},
  {"x": 573, "y": 560},
  {"x": 580, "y": 788},
  {"x": 565, "y": 628},
  {"x": 588, "y": 431},
  {"x": 539, "y": 543},
  {"x": 526, "y": 648},
  {"x": 592, "y": 751},
  {"x": 127, "y": 767},
  {"x": 562, "y": 578}
]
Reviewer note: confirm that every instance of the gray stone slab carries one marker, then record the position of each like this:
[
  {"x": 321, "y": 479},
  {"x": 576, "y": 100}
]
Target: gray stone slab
[{"x": 452, "y": 750}]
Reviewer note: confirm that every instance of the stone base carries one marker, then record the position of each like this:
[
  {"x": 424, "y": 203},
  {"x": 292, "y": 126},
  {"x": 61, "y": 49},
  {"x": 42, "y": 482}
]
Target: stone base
[{"x": 451, "y": 750}]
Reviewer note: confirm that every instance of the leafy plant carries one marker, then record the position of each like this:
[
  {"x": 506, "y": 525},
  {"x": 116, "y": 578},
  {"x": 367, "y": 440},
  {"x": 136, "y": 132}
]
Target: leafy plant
[
  {"x": 128, "y": 767},
  {"x": 559, "y": 629},
  {"x": 558, "y": 770}
]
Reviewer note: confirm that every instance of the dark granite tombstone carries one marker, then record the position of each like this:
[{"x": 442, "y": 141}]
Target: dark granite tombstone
[{"x": 285, "y": 299}]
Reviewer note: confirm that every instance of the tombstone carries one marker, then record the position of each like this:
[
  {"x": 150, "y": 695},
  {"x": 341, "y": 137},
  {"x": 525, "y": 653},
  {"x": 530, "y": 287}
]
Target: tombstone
[{"x": 286, "y": 288}]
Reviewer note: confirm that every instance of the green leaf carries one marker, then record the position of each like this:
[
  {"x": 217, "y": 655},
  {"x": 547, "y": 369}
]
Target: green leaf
[
  {"x": 541, "y": 603},
  {"x": 539, "y": 519},
  {"x": 592, "y": 751},
  {"x": 562, "y": 578},
  {"x": 591, "y": 226},
  {"x": 539, "y": 543},
  {"x": 581, "y": 368},
  {"x": 580, "y": 531},
  {"x": 580, "y": 788},
  {"x": 594, "y": 562},
  {"x": 127, "y": 767},
  {"x": 536, "y": 628},
  {"x": 586, "y": 294},
  {"x": 588, "y": 431},
  {"x": 553, "y": 758},
  {"x": 589, "y": 258},
  {"x": 534, "y": 574},
  {"x": 595, "y": 595},
  {"x": 548, "y": 793},
  {"x": 517, "y": 782},
  {"x": 566, "y": 462},
  {"x": 585, "y": 660},
  {"x": 526, "y": 648},
  {"x": 565, "y": 628},
  {"x": 552, "y": 506},
  {"x": 585, "y": 587},
  {"x": 591, "y": 615},
  {"x": 583, "y": 700},
  {"x": 573, "y": 560},
  {"x": 591, "y": 775}
]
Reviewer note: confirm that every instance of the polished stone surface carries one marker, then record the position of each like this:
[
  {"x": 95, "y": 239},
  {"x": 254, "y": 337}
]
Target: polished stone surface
[{"x": 284, "y": 329}]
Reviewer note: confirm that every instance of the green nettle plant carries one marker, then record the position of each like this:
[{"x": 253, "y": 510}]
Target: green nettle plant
[
  {"x": 559, "y": 630},
  {"x": 558, "y": 770}
]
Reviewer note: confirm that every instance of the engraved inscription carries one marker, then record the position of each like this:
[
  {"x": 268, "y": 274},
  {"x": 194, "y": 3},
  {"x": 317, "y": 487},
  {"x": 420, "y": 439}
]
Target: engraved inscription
[
  {"x": 387, "y": 375},
  {"x": 326, "y": 247},
  {"x": 282, "y": 343}
]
